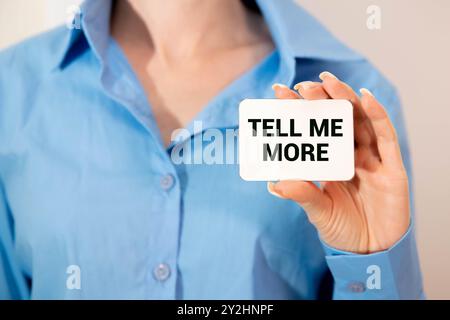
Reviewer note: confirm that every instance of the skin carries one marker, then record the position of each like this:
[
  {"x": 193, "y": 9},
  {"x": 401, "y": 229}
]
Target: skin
[
  {"x": 185, "y": 52},
  {"x": 369, "y": 213}
]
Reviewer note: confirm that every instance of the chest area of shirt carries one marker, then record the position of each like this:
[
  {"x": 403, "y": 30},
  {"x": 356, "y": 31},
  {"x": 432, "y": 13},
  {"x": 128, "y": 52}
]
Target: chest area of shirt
[{"x": 99, "y": 170}]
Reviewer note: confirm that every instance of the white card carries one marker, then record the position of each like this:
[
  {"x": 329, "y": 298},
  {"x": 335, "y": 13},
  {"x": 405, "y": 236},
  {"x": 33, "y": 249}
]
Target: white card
[{"x": 296, "y": 140}]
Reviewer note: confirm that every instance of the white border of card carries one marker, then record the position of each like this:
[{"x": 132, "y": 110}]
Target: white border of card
[{"x": 296, "y": 139}]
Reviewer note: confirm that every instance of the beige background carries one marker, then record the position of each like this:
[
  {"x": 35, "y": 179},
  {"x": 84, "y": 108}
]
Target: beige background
[{"x": 413, "y": 50}]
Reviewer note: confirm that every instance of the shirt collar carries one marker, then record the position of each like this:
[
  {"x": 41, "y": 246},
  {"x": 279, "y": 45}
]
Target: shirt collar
[
  {"x": 295, "y": 32},
  {"x": 94, "y": 29}
]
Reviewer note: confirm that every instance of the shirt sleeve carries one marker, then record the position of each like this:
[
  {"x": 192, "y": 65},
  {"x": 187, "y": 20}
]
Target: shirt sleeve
[
  {"x": 12, "y": 281},
  {"x": 390, "y": 274}
]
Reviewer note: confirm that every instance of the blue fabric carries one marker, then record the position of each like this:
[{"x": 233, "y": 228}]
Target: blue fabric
[{"x": 85, "y": 180}]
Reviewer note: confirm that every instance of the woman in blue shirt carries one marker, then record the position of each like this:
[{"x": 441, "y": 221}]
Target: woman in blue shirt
[{"x": 92, "y": 205}]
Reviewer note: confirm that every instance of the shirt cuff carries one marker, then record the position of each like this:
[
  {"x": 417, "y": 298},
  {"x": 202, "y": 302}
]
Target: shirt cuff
[{"x": 390, "y": 274}]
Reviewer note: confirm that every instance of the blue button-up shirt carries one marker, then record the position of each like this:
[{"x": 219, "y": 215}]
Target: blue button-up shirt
[{"x": 92, "y": 204}]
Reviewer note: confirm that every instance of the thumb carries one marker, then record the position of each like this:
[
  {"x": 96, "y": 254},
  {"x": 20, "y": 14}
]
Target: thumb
[{"x": 314, "y": 201}]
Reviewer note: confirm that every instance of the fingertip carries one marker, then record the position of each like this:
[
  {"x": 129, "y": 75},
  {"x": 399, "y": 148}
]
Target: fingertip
[
  {"x": 366, "y": 92},
  {"x": 311, "y": 90},
  {"x": 369, "y": 101},
  {"x": 326, "y": 74},
  {"x": 276, "y": 86},
  {"x": 305, "y": 85},
  {"x": 271, "y": 188},
  {"x": 283, "y": 92}
]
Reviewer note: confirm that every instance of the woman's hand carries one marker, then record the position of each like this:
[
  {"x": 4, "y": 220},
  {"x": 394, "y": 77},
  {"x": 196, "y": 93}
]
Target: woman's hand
[{"x": 371, "y": 212}]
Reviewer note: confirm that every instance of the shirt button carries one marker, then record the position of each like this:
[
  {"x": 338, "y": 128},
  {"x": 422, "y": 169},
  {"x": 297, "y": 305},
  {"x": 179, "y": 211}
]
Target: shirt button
[
  {"x": 356, "y": 287},
  {"x": 167, "y": 181},
  {"x": 161, "y": 272}
]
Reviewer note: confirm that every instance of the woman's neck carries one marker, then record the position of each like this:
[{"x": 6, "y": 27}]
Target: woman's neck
[{"x": 187, "y": 29}]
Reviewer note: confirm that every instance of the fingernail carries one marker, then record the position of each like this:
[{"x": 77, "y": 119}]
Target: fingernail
[
  {"x": 305, "y": 85},
  {"x": 365, "y": 91},
  {"x": 326, "y": 74},
  {"x": 271, "y": 189},
  {"x": 278, "y": 85}
]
